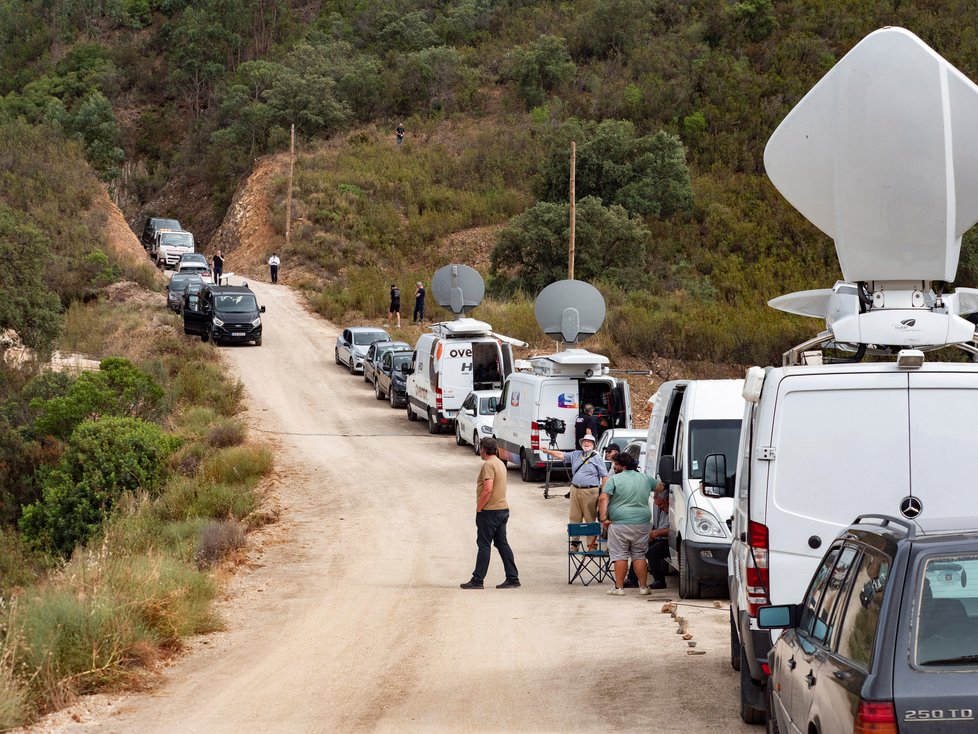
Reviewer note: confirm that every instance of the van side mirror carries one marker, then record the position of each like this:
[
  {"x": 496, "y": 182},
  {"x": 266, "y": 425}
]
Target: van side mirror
[
  {"x": 715, "y": 476},
  {"x": 777, "y": 617},
  {"x": 262, "y": 309},
  {"x": 667, "y": 469}
]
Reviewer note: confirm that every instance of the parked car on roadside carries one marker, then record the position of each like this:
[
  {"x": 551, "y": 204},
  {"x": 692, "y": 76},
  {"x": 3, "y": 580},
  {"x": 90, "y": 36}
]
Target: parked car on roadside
[
  {"x": 202, "y": 270},
  {"x": 174, "y": 288},
  {"x": 154, "y": 225},
  {"x": 885, "y": 638},
  {"x": 474, "y": 419},
  {"x": 352, "y": 345},
  {"x": 225, "y": 313},
  {"x": 375, "y": 353},
  {"x": 196, "y": 258},
  {"x": 191, "y": 296},
  {"x": 637, "y": 448},
  {"x": 391, "y": 380},
  {"x": 620, "y": 436}
]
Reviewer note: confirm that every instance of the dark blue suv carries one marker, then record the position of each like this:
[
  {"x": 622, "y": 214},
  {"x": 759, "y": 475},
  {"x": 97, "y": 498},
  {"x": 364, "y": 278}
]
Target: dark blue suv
[{"x": 886, "y": 638}]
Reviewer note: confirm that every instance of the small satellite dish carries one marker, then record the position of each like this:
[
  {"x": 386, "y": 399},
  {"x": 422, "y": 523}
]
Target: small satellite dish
[
  {"x": 570, "y": 310},
  {"x": 458, "y": 288}
]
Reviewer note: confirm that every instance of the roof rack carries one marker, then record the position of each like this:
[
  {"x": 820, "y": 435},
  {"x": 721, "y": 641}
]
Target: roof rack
[{"x": 887, "y": 520}]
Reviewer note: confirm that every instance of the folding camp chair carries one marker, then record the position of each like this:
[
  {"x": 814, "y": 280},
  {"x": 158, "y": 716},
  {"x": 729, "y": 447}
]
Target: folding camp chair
[{"x": 587, "y": 553}]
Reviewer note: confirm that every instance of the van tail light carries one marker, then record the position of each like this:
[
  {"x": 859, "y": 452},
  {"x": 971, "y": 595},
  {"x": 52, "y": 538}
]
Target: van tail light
[
  {"x": 758, "y": 574},
  {"x": 875, "y": 717},
  {"x": 438, "y": 399},
  {"x": 535, "y": 436}
]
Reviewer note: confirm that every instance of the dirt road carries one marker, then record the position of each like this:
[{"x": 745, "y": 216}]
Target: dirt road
[{"x": 352, "y": 618}]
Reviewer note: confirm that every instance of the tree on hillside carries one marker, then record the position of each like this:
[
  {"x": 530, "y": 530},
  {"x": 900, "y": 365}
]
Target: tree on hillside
[
  {"x": 645, "y": 174},
  {"x": 531, "y": 252},
  {"x": 538, "y": 68}
]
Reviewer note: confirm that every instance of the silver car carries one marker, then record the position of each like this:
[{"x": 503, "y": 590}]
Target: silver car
[{"x": 352, "y": 345}]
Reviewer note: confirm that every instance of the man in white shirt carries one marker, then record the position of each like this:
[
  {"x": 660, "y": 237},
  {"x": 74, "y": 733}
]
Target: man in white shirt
[{"x": 273, "y": 263}]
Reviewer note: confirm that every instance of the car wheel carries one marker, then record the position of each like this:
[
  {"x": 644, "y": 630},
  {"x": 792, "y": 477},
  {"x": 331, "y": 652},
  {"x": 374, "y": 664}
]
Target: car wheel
[
  {"x": 527, "y": 473},
  {"x": 353, "y": 369},
  {"x": 377, "y": 393},
  {"x": 748, "y": 712},
  {"x": 459, "y": 441},
  {"x": 433, "y": 426},
  {"x": 772, "y": 719},
  {"x": 412, "y": 416},
  {"x": 393, "y": 400},
  {"x": 734, "y": 642},
  {"x": 258, "y": 342},
  {"x": 688, "y": 588},
  {"x": 475, "y": 442},
  {"x": 336, "y": 356},
  {"x": 365, "y": 378}
]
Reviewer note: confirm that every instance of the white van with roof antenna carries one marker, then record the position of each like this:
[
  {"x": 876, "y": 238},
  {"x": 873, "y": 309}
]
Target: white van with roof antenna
[{"x": 881, "y": 156}]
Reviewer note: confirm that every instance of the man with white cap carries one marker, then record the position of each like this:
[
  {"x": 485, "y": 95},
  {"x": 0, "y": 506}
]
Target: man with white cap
[{"x": 588, "y": 475}]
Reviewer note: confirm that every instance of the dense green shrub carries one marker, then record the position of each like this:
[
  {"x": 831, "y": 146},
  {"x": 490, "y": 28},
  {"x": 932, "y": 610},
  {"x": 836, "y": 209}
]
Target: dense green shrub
[
  {"x": 103, "y": 459},
  {"x": 118, "y": 388},
  {"x": 539, "y": 67}
]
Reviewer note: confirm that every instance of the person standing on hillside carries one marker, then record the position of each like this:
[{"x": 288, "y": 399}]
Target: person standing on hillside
[
  {"x": 491, "y": 516},
  {"x": 218, "y": 266},
  {"x": 399, "y": 133},
  {"x": 418, "y": 303},
  {"x": 273, "y": 263},
  {"x": 395, "y": 307}
]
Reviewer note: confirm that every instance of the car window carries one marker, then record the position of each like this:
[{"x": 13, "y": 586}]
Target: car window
[
  {"x": 946, "y": 624},
  {"x": 361, "y": 338},
  {"x": 861, "y": 616},
  {"x": 816, "y": 589},
  {"x": 837, "y": 587},
  {"x": 487, "y": 406},
  {"x": 401, "y": 359}
]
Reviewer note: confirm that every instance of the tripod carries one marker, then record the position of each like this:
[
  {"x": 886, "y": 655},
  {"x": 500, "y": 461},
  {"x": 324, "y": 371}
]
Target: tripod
[{"x": 550, "y": 462}]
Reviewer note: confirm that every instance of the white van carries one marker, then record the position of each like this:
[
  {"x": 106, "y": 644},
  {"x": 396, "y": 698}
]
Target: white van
[
  {"x": 456, "y": 358},
  {"x": 693, "y": 419},
  {"x": 559, "y": 387}
]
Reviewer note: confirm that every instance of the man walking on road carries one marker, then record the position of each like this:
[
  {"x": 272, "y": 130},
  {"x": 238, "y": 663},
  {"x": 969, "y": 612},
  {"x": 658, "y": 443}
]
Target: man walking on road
[
  {"x": 218, "y": 266},
  {"x": 273, "y": 263},
  {"x": 491, "y": 516}
]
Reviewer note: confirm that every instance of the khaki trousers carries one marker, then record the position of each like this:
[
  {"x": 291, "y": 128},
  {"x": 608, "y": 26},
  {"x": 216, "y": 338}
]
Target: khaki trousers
[{"x": 583, "y": 504}]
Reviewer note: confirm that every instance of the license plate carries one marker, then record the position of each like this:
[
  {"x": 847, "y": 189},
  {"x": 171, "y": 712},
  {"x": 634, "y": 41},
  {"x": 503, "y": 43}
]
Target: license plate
[{"x": 237, "y": 333}]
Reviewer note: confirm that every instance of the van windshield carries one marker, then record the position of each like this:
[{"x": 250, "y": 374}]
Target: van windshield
[
  {"x": 713, "y": 437},
  {"x": 236, "y": 303},
  {"x": 177, "y": 238}
]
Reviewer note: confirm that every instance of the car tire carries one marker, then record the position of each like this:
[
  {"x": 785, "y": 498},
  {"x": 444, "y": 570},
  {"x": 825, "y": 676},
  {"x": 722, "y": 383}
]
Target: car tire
[
  {"x": 688, "y": 589},
  {"x": 377, "y": 392},
  {"x": 353, "y": 369},
  {"x": 433, "y": 426},
  {"x": 459, "y": 441},
  {"x": 527, "y": 472},
  {"x": 393, "y": 400},
  {"x": 367, "y": 379},
  {"x": 475, "y": 442},
  {"x": 749, "y": 713},
  {"x": 772, "y": 720},
  {"x": 258, "y": 342},
  {"x": 734, "y": 642},
  {"x": 412, "y": 416},
  {"x": 336, "y": 356}
]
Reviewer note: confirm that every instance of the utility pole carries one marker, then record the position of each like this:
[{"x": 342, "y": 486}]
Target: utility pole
[
  {"x": 288, "y": 198},
  {"x": 573, "y": 210}
]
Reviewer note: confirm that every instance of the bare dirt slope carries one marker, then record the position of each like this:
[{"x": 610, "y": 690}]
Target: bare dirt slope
[{"x": 352, "y": 619}]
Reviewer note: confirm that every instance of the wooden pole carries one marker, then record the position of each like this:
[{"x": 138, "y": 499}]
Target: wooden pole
[
  {"x": 288, "y": 197},
  {"x": 573, "y": 209}
]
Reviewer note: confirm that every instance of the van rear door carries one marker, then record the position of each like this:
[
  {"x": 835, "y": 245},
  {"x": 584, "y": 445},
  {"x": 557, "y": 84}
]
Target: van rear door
[
  {"x": 943, "y": 411},
  {"x": 559, "y": 398},
  {"x": 839, "y": 450},
  {"x": 453, "y": 362}
]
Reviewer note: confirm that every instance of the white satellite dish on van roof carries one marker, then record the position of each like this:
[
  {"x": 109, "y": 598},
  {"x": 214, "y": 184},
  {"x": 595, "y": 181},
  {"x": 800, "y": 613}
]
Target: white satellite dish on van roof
[
  {"x": 458, "y": 288},
  {"x": 882, "y": 156},
  {"x": 569, "y": 310}
]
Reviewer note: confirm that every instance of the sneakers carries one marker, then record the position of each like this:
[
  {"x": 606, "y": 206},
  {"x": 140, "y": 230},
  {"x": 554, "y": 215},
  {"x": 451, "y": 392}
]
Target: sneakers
[
  {"x": 616, "y": 592},
  {"x": 657, "y": 585},
  {"x": 644, "y": 590},
  {"x": 471, "y": 585},
  {"x": 509, "y": 584}
]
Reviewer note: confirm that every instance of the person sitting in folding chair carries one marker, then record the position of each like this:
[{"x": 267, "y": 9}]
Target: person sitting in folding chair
[
  {"x": 623, "y": 507},
  {"x": 588, "y": 476}
]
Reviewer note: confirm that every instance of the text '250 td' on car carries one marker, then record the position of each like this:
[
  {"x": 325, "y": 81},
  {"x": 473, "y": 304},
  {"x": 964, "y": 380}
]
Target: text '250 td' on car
[{"x": 886, "y": 637}]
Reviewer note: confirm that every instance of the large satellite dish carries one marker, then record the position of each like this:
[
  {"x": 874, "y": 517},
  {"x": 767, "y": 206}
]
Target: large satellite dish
[
  {"x": 882, "y": 156},
  {"x": 458, "y": 288},
  {"x": 570, "y": 310}
]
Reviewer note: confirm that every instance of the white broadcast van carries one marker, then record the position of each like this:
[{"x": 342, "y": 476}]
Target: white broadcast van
[
  {"x": 558, "y": 387},
  {"x": 693, "y": 419},
  {"x": 869, "y": 158},
  {"x": 456, "y": 358}
]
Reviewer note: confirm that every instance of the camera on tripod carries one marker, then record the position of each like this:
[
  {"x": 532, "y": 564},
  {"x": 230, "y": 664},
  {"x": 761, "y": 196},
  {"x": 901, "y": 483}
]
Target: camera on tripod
[{"x": 553, "y": 427}]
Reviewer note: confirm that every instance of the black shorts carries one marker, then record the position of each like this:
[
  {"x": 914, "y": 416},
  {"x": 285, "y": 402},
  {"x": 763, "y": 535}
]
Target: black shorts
[{"x": 395, "y": 306}]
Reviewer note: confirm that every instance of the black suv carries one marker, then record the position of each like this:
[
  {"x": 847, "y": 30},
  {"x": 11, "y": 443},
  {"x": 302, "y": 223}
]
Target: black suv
[
  {"x": 154, "y": 225},
  {"x": 224, "y": 313},
  {"x": 886, "y": 638}
]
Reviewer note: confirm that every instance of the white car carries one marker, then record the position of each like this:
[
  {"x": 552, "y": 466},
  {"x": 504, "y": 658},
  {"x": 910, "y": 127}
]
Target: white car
[
  {"x": 474, "y": 419},
  {"x": 620, "y": 436},
  {"x": 637, "y": 448}
]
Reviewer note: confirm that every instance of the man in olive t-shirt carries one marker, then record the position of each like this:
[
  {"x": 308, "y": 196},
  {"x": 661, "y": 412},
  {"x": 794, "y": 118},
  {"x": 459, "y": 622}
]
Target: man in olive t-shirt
[{"x": 491, "y": 516}]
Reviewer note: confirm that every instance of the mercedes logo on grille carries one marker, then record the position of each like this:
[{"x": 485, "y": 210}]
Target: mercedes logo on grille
[{"x": 910, "y": 507}]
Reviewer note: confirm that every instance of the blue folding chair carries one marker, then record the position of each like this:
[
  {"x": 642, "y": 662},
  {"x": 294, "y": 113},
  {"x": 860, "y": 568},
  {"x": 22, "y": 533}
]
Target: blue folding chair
[{"x": 587, "y": 553}]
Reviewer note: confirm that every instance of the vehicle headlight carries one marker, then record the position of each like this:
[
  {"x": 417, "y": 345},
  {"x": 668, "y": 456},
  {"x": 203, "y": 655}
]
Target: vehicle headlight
[
  {"x": 218, "y": 322},
  {"x": 486, "y": 429},
  {"x": 704, "y": 523},
  {"x": 256, "y": 322}
]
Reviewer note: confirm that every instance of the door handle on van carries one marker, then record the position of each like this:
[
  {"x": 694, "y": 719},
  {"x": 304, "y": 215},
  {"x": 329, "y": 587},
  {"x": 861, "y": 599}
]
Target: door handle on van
[
  {"x": 810, "y": 679},
  {"x": 791, "y": 663}
]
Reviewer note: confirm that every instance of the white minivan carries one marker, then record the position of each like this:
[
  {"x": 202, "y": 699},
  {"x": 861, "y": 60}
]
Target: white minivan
[
  {"x": 456, "y": 358},
  {"x": 558, "y": 388},
  {"x": 693, "y": 419}
]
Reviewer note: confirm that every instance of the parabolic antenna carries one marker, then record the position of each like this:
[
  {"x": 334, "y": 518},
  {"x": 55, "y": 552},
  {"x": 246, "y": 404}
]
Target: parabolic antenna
[
  {"x": 570, "y": 310},
  {"x": 882, "y": 156},
  {"x": 458, "y": 288}
]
